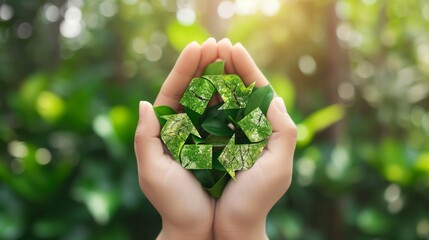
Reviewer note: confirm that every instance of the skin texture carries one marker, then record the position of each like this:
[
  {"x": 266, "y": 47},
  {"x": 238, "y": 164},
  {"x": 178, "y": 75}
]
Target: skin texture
[{"x": 187, "y": 211}]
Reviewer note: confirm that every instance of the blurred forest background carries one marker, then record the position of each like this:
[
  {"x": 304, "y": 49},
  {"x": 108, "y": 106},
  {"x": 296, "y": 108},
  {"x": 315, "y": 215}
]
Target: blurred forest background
[{"x": 354, "y": 75}]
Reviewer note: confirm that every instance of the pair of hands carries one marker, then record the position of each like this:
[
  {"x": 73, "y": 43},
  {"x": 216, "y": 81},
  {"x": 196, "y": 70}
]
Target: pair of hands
[{"x": 187, "y": 211}]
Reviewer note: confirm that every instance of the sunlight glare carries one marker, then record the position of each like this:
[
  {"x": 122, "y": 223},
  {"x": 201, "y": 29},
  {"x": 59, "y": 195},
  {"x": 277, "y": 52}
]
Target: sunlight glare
[
  {"x": 270, "y": 7},
  {"x": 71, "y": 27},
  {"x": 246, "y": 7}
]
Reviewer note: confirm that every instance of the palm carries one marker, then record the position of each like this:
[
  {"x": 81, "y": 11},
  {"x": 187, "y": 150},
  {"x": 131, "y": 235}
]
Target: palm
[
  {"x": 181, "y": 197},
  {"x": 247, "y": 201},
  {"x": 173, "y": 191}
]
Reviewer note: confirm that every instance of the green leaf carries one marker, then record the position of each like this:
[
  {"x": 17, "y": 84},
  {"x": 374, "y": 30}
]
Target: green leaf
[
  {"x": 217, "y": 127},
  {"x": 261, "y": 97},
  {"x": 215, "y": 162},
  {"x": 195, "y": 117},
  {"x": 325, "y": 117},
  {"x": 214, "y": 112},
  {"x": 205, "y": 177},
  {"x": 217, "y": 189},
  {"x": 196, "y": 139},
  {"x": 319, "y": 121},
  {"x": 213, "y": 181},
  {"x": 217, "y": 141},
  {"x": 233, "y": 115},
  {"x": 161, "y": 111},
  {"x": 215, "y": 68}
]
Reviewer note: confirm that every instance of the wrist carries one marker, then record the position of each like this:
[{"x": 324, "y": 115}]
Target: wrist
[
  {"x": 170, "y": 231},
  {"x": 228, "y": 230}
]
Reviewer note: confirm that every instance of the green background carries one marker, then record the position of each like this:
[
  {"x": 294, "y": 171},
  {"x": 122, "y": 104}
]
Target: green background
[{"x": 354, "y": 76}]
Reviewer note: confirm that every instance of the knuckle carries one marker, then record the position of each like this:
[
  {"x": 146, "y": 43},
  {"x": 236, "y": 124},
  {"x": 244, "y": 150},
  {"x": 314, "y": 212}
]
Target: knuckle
[
  {"x": 146, "y": 181},
  {"x": 293, "y": 130},
  {"x": 280, "y": 176},
  {"x": 138, "y": 138}
]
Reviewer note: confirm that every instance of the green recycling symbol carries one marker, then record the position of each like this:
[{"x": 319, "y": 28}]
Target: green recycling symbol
[{"x": 222, "y": 138}]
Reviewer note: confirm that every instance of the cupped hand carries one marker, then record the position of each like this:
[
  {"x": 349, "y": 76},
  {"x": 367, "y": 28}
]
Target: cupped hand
[
  {"x": 242, "y": 210},
  {"x": 186, "y": 210}
]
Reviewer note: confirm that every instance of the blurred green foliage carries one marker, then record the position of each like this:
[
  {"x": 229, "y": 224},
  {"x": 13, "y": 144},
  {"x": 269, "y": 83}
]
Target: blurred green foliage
[{"x": 354, "y": 76}]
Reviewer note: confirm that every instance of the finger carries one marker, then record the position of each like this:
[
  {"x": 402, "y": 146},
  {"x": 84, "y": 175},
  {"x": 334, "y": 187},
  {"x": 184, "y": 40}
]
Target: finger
[
  {"x": 224, "y": 52},
  {"x": 182, "y": 73},
  {"x": 278, "y": 159},
  {"x": 283, "y": 138},
  {"x": 246, "y": 68},
  {"x": 208, "y": 55},
  {"x": 147, "y": 144}
]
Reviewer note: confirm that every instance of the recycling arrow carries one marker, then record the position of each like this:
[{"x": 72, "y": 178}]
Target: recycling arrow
[
  {"x": 223, "y": 139},
  {"x": 256, "y": 126},
  {"x": 175, "y": 132},
  {"x": 240, "y": 156},
  {"x": 232, "y": 90},
  {"x": 198, "y": 95}
]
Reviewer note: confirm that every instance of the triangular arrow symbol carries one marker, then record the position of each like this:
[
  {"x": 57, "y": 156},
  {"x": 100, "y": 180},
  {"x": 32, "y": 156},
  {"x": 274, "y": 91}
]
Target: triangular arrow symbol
[
  {"x": 175, "y": 132},
  {"x": 241, "y": 156},
  {"x": 232, "y": 90}
]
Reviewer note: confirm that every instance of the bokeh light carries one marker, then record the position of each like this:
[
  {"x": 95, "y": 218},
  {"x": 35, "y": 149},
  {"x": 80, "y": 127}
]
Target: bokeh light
[
  {"x": 18, "y": 149},
  {"x": 307, "y": 65},
  {"x": 6, "y": 12},
  {"x": 71, "y": 26},
  {"x": 52, "y": 12},
  {"x": 226, "y": 9},
  {"x": 24, "y": 30},
  {"x": 186, "y": 16}
]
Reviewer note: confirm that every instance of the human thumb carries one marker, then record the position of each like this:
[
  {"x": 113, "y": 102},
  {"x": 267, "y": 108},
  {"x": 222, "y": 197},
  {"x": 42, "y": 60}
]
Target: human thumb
[
  {"x": 147, "y": 144},
  {"x": 284, "y": 133}
]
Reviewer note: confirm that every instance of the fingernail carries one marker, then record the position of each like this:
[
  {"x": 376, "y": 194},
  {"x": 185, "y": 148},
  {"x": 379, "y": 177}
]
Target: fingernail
[
  {"x": 193, "y": 43},
  {"x": 280, "y": 105},
  {"x": 142, "y": 109},
  {"x": 239, "y": 45},
  {"x": 226, "y": 40},
  {"x": 210, "y": 39}
]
